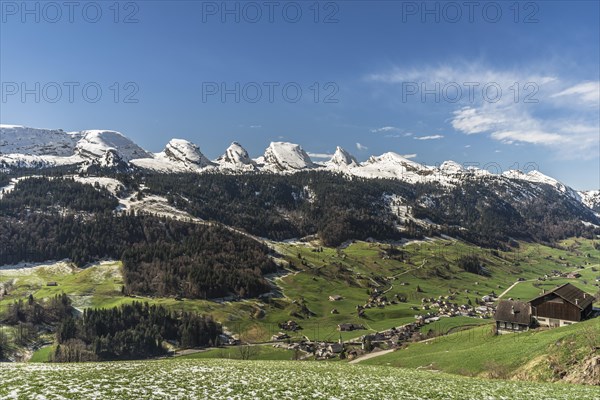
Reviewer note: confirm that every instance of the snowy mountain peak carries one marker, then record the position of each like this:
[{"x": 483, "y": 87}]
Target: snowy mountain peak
[
  {"x": 25, "y": 147},
  {"x": 236, "y": 157},
  {"x": 391, "y": 159},
  {"x": 451, "y": 167},
  {"x": 341, "y": 157},
  {"x": 536, "y": 176},
  {"x": 183, "y": 151},
  {"x": 15, "y": 139},
  {"x": 95, "y": 143},
  {"x": 283, "y": 156}
]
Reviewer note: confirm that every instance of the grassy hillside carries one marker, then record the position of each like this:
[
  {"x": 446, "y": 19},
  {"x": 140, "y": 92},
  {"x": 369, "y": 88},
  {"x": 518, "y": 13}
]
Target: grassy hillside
[
  {"x": 220, "y": 379},
  {"x": 314, "y": 273},
  {"x": 539, "y": 355},
  {"x": 266, "y": 352}
]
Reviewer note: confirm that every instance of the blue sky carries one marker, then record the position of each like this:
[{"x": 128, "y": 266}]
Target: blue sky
[{"x": 397, "y": 76}]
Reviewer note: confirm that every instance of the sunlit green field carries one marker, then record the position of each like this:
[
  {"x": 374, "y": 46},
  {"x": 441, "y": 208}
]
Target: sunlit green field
[
  {"x": 228, "y": 379},
  {"x": 349, "y": 272},
  {"x": 478, "y": 352}
]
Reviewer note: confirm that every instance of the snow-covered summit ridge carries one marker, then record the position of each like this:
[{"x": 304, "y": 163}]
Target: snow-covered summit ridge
[
  {"x": 183, "y": 151},
  {"x": 22, "y": 146},
  {"x": 95, "y": 143},
  {"x": 283, "y": 156},
  {"x": 343, "y": 158},
  {"x": 236, "y": 157},
  {"x": 15, "y": 139}
]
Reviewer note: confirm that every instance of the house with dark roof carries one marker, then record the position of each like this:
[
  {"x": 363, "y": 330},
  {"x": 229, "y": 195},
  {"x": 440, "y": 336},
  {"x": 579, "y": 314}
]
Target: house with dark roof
[
  {"x": 563, "y": 305},
  {"x": 512, "y": 316}
]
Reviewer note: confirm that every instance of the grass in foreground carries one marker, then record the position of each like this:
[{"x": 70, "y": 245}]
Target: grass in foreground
[{"x": 228, "y": 379}]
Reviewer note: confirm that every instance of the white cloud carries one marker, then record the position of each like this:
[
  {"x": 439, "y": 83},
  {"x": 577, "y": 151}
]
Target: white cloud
[
  {"x": 558, "y": 112},
  {"x": 470, "y": 120},
  {"x": 413, "y": 155},
  {"x": 361, "y": 147},
  {"x": 386, "y": 129},
  {"x": 255, "y": 126},
  {"x": 320, "y": 155},
  {"x": 570, "y": 138},
  {"x": 586, "y": 93},
  {"x": 461, "y": 73},
  {"x": 431, "y": 137},
  {"x": 467, "y": 146},
  {"x": 535, "y": 137}
]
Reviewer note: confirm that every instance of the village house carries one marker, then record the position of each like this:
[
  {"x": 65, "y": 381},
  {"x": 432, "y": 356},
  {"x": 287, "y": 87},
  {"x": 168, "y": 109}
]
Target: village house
[
  {"x": 562, "y": 306},
  {"x": 289, "y": 326},
  {"x": 512, "y": 316},
  {"x": 280, "y": 336},
  {"x": 335, "y": 348},
  {"x": 350, "y": 327}
]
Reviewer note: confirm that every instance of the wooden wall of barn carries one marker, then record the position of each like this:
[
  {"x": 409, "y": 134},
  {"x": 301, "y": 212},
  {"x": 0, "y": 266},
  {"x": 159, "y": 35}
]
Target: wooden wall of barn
[{"x": 564, "y": 311}]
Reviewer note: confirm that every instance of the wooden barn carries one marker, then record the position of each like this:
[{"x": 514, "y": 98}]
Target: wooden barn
[
  {"x": 512, "y": 316},
  {"x": 562, "y": 306}
]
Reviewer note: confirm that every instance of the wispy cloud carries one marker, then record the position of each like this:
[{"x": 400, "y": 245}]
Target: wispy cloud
[
  {"x": 431, "y": 137},
  {"x": 585, "y": 93},
  {"x": 513, "y": 125},
  {"x": 320, "y": 155},
  {"x": 386, "y": 129},
  {"x": 542, "y": 109},
  {"x": 361, "y": 147},
  {"x": 413, "y": 155}
]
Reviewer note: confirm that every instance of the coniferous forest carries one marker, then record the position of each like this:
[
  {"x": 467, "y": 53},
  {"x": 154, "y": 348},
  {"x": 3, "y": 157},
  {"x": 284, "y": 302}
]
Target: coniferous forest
[
  {"x": 130, "y": 331},
  {"x": 51, "y": 218}
]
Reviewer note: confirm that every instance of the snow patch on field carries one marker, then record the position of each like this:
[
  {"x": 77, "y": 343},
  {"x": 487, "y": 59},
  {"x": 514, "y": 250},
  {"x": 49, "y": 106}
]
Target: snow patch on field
[
  {"x": 112, "y": 185},
  {"x": 237, "y": 380},
  {"x": 155, "y": 205},
  {"x": 52, "y": 268}
]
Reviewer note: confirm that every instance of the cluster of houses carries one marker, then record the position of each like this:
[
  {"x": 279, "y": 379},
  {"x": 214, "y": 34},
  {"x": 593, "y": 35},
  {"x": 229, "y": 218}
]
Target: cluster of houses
[
  {"x": 378, "y": 299},
  {"x": 326, "y": 350},
  {"x": 320, "y": 350},
  {"x": 444, "y": 307},
  {"x": 561, "y": 306},
  {"x": 564, "y": 305},
  {"x": 392, "y": 337}
]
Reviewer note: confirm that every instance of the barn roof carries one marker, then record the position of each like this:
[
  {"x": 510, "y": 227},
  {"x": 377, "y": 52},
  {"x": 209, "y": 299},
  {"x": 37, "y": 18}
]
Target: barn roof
[
  {"x": 572, "y": 294},
  {"x": 513, "y": 311}
]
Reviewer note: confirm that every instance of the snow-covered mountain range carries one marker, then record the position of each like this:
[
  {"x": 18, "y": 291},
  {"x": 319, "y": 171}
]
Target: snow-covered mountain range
[{"x": 31, "y": 147}]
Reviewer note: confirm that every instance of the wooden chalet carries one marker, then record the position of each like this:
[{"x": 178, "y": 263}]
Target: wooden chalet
[
  {"x": 512, "y": 316},
  {"x": 562, "y": 306}
]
